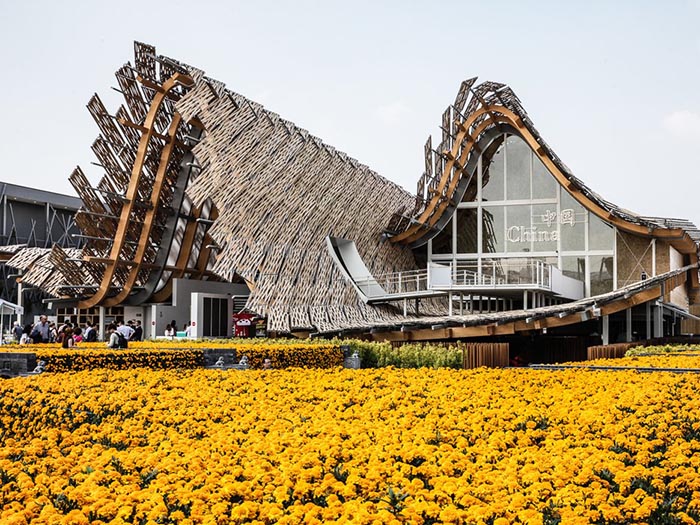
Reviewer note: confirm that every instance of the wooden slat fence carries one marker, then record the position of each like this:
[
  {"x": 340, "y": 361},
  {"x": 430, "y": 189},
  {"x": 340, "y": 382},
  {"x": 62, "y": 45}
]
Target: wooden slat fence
[
  {"x": 613, "y": 351},
  {"x": 492, "y": 355}
]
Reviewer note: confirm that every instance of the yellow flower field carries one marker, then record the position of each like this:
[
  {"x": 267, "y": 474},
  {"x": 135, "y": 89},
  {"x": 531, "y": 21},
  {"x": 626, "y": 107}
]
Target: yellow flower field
[
  {"x": 651, "y": 361},
  {"x": 350, "y": 446}
]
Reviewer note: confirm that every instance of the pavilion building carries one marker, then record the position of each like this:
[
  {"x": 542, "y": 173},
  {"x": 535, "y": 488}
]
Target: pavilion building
[{"x": 211, "y": 204}]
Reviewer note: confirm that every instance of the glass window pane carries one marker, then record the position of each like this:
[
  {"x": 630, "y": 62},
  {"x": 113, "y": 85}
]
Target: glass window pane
[
  {"x": 601, "y": 271},
  {"x": 466, "y": 273},
  {"x": 517, "y": 168},
  {"x": 519, "y": 231},
  {"x": 572, "y": 223},
  {"x": 545, "y": 228},
  {"x": 467, "y": 240},
  {"x": 492, "y": 177},
  {"x": 442, "y": 242},
  {"x": 601, "y": 236},
  {"x": 492, "y": 229},
  {"x": 574, "y": 267},
  {"x": 544, "y": 185}
]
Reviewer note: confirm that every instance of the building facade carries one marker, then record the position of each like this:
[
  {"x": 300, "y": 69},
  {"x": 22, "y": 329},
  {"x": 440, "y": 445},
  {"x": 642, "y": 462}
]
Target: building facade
[{"x": 202, "y": 184}]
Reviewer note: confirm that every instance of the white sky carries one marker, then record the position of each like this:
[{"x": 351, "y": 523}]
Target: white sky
[{"x": 613, "y": 87}]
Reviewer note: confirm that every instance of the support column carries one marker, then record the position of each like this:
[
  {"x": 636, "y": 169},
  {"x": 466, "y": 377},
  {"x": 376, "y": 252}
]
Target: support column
[
  {"x": 102, "y": 323},
  {"x": 19, "y": 302},
  {"x": 449, "y": 304},
  {"x": 524, "y": 299},
  {"x": 658, "y": 321},
  {"x": 628, "y": 325},
  {"x": 648, "y": 319},
  {"x": 606, "y": 329}
]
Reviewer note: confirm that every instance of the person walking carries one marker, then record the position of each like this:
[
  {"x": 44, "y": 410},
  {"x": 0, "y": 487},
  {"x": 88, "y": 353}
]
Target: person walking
[{"x": 17, "y": 331}]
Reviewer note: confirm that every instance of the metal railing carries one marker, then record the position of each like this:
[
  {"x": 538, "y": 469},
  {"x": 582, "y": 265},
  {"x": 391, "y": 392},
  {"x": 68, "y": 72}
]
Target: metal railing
[
  {"x": 409, "y": 282},
  {"x": 464, "y": 275},
  {"x": 504, "y": 273}
]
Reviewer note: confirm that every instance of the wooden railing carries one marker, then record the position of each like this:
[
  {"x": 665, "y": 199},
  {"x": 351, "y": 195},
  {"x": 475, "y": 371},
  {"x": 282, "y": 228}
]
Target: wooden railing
[
  {"x": 492, "y": 355},
  {"x": 613, "y": 351}
]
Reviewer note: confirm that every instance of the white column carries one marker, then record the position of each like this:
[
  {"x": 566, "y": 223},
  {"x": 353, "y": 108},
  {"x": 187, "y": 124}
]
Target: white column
[
  {"x": 102, "y": 324},
  {"x": 19, "y": 301},
  {"x": 628, "y": 325},
  {"x": 606, "y": 329},
  {"x": 658, "y": 321}
]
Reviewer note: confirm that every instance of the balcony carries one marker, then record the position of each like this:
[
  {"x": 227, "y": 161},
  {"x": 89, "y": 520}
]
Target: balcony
[
  {"x": 495, "y": 277},
  {"x": 499, "y": 276}
]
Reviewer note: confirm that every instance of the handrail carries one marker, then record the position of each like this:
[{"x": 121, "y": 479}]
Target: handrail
[{"x": 495, "y": 273}]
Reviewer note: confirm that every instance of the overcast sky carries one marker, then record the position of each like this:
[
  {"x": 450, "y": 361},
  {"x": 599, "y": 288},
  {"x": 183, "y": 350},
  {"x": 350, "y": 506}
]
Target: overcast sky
[{"x": 613, "y": 87}]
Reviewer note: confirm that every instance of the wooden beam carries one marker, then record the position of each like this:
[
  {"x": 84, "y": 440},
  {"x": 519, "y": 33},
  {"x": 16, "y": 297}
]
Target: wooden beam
[{"x": 132, "y": 193}]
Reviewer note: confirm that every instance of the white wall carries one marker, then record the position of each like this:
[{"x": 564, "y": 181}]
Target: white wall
[
  {"x": 161, "y": 315},
  {"x": 679, "y": 295}
]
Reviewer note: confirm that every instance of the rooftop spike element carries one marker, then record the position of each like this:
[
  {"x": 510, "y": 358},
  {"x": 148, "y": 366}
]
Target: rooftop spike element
[{"x": 128, "y": 221}]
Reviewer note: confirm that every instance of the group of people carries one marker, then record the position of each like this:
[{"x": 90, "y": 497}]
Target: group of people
[
  {"x": 171, "y": 329},
  {"x": 70, "y": 335},
  {"x": 49, "y": 332},
  {"x": 120, "y": 334}
]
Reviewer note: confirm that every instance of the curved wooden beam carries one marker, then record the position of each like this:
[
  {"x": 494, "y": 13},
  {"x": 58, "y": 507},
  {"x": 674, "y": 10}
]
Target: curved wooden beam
[
  {"x": 150, "y": 215},
  {"x": 132, "y": 191},
  {"x": 423, "y": 220},
  {"x": 500, "y": 114}
]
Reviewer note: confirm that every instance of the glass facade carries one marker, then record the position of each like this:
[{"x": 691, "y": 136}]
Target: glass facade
[{"x": 521, "y": 212}]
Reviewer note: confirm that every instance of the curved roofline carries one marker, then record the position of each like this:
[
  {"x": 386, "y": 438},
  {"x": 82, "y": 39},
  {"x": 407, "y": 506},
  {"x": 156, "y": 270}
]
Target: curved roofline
[{"x": 493, "y": 105}]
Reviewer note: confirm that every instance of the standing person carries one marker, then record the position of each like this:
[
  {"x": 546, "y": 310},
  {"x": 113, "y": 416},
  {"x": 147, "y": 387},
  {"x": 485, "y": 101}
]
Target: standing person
[
  {"x": 113, "y": 341},
  {"x": 42, "y": 330},
  {"x": 26, "y": 335},
  {"x": 169, "y": 332},
  {"x": 78, "y": 335},
  {"x": 91, "y": 334},
  {"x": 60, "y": 333},
  {"x": 189, "y": 329},
  {"x": 68, "y": 341},
  {"x": 173, "y": 325},
  {"x": 138, "y": 332},
  {"x": 17, "y": 331},
  {"x": 125, "y": 330},
  {"x": 86, "y": 332}
]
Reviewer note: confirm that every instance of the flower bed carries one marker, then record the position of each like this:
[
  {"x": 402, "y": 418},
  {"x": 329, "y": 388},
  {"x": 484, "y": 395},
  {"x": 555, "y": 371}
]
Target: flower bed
[
  {"x": 644, "y": 361},
  {"x": 354, "y": 446},
  {"x": 184, "y": 354}
]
